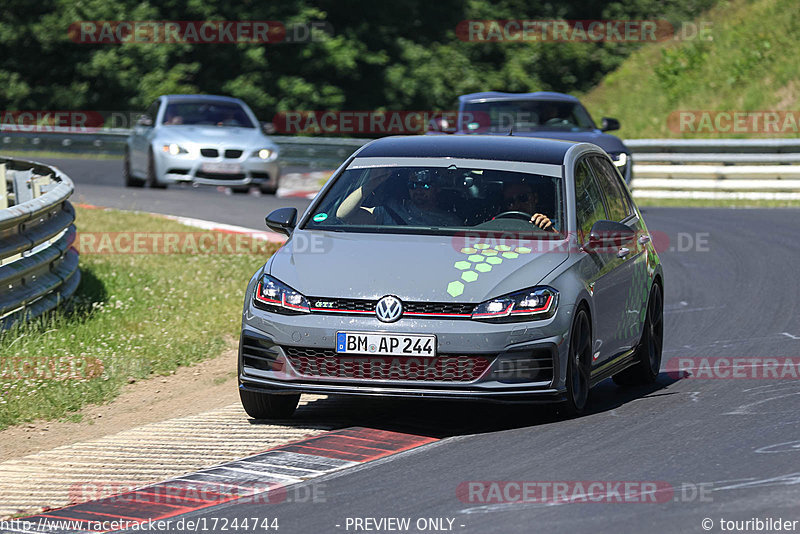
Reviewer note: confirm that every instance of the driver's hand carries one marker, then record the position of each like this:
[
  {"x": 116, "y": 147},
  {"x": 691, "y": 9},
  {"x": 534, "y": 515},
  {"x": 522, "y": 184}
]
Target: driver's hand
[{"x": 543, "y": 222}]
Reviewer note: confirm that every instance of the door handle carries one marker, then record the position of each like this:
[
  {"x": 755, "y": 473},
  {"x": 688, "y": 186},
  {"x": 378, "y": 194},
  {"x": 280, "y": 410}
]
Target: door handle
[
  {"x": 644, "y": 239},
  {"x": 623, "y": 252}
]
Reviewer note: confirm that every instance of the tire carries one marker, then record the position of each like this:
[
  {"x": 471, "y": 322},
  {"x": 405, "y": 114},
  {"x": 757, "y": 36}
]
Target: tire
[
  {"x": 130, "y": 179},
  {"x": 648, "y": 352},
  {"x": 579, "y": 364},
  {"x": 268, "y": 406},
  {"x": 270, "y": 188},
  {"x": 151, "y": 180},
  {"x": 241, "y": 190}
]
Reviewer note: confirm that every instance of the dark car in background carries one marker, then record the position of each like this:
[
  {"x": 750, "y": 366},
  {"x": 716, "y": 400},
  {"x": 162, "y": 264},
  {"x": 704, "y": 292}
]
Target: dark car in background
[{"x": 541, "y": 114}]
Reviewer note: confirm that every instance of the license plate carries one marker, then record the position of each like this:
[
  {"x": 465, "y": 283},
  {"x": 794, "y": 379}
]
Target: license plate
[
  {"x": 221, "y": 168},
  {"x": 385, "y": 344}
]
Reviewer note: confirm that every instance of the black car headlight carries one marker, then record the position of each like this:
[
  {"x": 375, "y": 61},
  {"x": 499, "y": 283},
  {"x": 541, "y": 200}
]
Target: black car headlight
[
  {"x": 273, "y": 295},
  {"x": 529, "y": 304},
  {"x": 620, "y": 160}
]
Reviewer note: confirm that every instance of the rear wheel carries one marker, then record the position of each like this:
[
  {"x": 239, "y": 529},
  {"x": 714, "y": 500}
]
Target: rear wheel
[
  {"x": 268, "y": 406},
  {"x": 151, "y": 181},
  {"x": 130, "y": 179},
  {"x": 578, "y": 364},
  {"x": 648, "y": 353}
]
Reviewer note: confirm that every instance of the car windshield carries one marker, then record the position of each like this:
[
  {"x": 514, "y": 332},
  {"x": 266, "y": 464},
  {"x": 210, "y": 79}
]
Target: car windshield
[
  {"x": 439, "y": 200},
  {"x": 524, "y": 115},
  {"x": 206, "y": 113}
]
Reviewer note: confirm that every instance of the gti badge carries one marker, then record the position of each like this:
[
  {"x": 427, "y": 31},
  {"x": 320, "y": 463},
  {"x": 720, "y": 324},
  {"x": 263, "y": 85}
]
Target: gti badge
[{"x": 389, "y": 309}]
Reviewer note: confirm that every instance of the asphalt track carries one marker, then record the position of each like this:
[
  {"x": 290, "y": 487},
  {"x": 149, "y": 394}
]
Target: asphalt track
[{"x": 728, "y": 448}]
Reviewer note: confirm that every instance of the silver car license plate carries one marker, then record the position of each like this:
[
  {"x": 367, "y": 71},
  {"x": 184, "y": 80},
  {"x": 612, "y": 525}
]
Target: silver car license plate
[
  {"x": 221, "y": 168},
  {"x": 385, "y": 344}
]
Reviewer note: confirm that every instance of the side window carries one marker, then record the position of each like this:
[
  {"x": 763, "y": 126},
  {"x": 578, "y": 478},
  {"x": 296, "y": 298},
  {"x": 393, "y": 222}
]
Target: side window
[
  {"x": 618, "y": 207},
  {"x": 588, "y": 201}
]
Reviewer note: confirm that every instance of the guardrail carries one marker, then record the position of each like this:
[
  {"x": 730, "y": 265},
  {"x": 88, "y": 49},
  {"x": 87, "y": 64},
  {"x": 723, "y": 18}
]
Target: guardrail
[
  {"x": 38, "y": 266},
  {"x": 748, "y": 169},
  {"x": 663, "y": 168}
]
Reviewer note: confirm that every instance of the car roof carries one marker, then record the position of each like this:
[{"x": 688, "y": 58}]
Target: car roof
[
  {"x": 491, "y": 147},
  {"x": 497, "y": 95},
  {"x": 215, "y": 98}
]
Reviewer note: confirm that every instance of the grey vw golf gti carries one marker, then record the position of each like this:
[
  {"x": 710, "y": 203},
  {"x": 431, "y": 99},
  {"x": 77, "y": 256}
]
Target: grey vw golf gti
[{"x": 469, "y": 267}]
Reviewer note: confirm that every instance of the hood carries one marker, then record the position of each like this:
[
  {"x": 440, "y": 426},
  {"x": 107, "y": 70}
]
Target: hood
[
  {"x": 607, "y": 142},
  {"x": 215, "y": 136},
  {"x": 417, "y": 268}
]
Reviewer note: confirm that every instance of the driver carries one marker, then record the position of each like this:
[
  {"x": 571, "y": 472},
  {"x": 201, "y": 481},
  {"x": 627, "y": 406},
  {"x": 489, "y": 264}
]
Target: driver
[{"x": 519, "y": 196}]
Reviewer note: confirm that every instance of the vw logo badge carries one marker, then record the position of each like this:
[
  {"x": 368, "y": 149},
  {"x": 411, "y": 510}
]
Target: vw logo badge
[{"x": 389, "y": 309}]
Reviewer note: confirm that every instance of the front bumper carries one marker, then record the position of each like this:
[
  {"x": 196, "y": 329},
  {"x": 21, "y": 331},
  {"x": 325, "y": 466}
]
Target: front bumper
[
  {"x": 188, "y": 168},
  {"x": 279, "y": 337}
]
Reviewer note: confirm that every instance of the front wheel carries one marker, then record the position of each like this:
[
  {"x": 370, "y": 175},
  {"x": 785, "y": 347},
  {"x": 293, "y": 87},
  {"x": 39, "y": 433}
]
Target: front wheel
[
  {"x": 578, "y": 364},
  {"x": 152, "y": 181},
  {"x": 130, "y": 179},
  {"x": 268, "y": 406},
  {"x": 648, "y": 353}
]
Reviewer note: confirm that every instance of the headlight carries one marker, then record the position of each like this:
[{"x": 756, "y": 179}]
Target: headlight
[
  {"x": 265, "y": 153},
  {"x": 174, "y": 149},
  {"x": 620, "y": 159},
  {"x": 276, "y": 296},
  {"x": 530, "y": 304}
]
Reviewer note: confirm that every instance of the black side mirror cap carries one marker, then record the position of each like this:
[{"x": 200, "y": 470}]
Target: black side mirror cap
[
  {"x": 609, "y": 234},
  {"x": 607, "y": 124},
  {"x": 282, "y": 220}
]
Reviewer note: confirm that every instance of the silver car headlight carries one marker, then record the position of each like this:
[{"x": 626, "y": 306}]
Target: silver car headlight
[
  {"x": 527, "y": 305},
  {"x": 273, "y": 295},
  {"x": 265, "y": 153},
  {"x": 174, "y": 149}
]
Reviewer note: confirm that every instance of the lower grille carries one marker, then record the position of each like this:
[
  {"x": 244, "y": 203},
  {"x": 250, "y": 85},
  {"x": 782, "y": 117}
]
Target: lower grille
[
  {"x": 326, "y": 363},
  {"x": 260, "y": 354},
  {"x": 219, "y": 176}
]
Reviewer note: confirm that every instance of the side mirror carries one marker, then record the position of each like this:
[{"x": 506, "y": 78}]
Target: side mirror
[
  {"x": 268, "y": 128},
  {"x": 608, "y": 124},
  {"x": 145, "y": 120},
  {"x": 282, "y": 220},
  {"x": 609, "y": 234}
]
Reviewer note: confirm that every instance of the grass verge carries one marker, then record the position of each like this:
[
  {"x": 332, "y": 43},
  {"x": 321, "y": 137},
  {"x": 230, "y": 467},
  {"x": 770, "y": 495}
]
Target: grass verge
[
  {"x": 134, "y": 315},
  {"x": 746, "y": 62}
]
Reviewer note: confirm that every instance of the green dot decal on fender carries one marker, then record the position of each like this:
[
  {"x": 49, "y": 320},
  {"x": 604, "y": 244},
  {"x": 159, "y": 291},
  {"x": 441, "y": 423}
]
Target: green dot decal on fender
[{"x": 319, "y": 217}]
